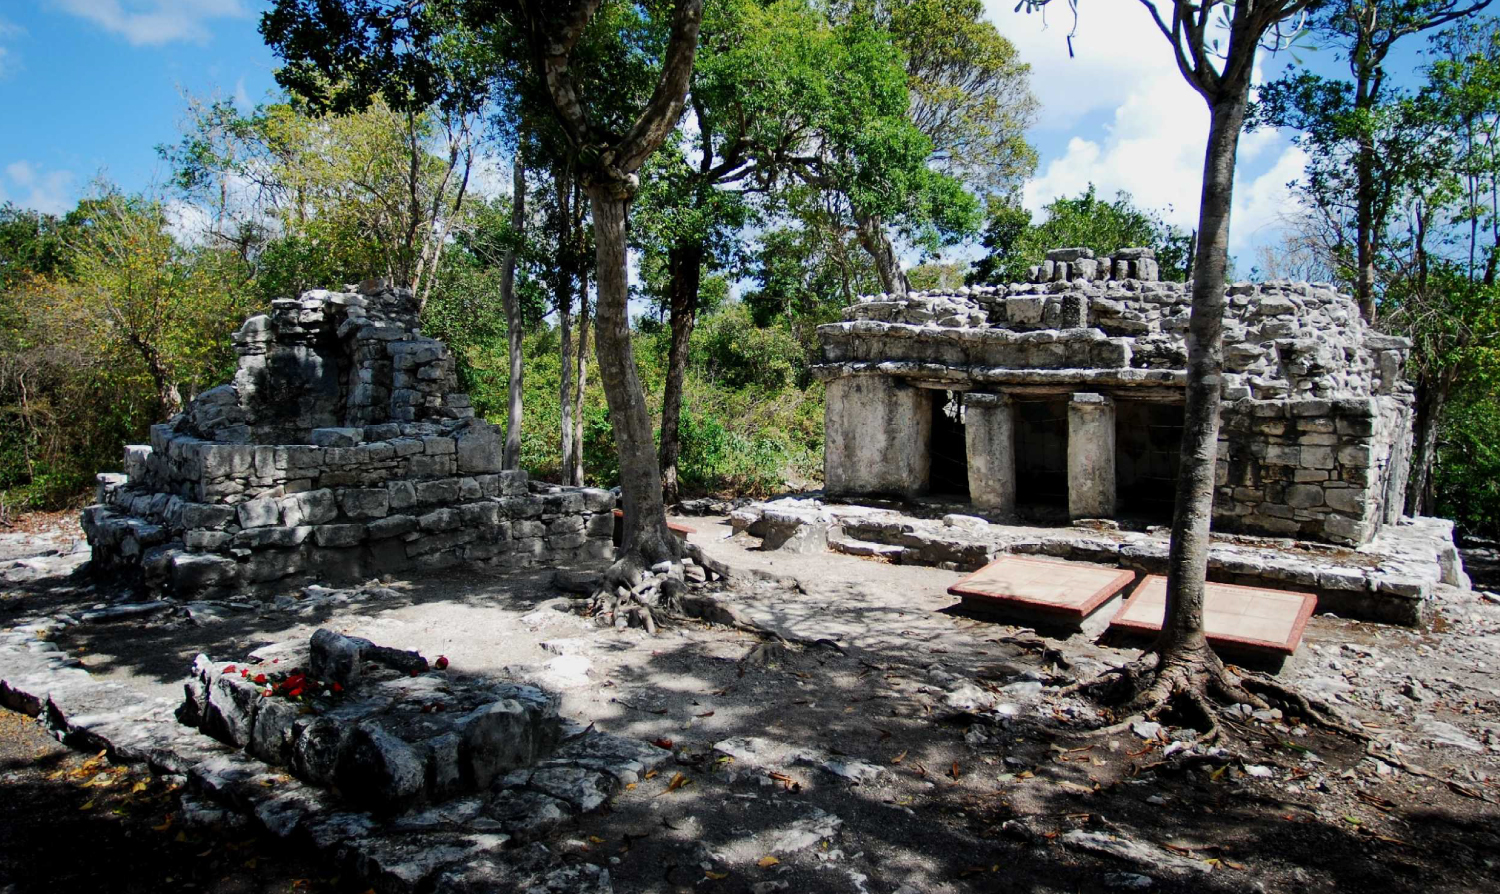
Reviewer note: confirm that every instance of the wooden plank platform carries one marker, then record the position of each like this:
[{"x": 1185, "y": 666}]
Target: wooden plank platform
[
  {"x": 1063, "y": 590},
  {"x": 681, "y": 530},
  {"x": 1250, "y": 618}
]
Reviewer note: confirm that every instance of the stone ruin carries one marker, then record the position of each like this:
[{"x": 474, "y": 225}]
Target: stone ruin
[
  {"x": 1062, "y": 399},
  {"x": 342, "y": 449}
]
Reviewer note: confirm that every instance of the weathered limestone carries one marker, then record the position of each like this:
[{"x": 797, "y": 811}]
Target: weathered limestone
[
  {"x": 1091, "y": 456},
  {"x": 880, "y": 441},
  {"x": 1316, "y": 425},
  {"x": 989, "y": 430},
  {"x": 341, "y": 451}
]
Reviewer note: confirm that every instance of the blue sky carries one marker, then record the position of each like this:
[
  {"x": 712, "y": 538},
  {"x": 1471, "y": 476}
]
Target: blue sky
[{"x": 91, "y": 87}]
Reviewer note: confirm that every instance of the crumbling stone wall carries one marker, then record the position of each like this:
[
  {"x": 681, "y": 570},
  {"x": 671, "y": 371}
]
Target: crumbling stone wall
[
  {"x": 1317, "y": 417},
  {"x": 342, "y": 449}
]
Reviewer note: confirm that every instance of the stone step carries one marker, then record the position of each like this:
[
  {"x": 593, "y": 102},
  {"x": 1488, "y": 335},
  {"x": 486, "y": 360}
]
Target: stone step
[{"x": 851, "y": 547}]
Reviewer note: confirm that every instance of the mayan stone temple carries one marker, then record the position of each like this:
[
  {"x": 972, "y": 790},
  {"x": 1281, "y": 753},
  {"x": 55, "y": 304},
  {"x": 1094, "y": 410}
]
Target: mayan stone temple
[
  {"x": 1062, "y": 399},
  {"x": 342, "y": 449}
]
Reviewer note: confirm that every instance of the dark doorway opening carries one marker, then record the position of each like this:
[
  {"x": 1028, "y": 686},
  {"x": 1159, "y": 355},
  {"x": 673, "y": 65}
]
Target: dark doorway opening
[
  {"x": 1148, "y": 449},
  {"x": 1041, "y": 453},
  {"x": 949, "y": 473}
]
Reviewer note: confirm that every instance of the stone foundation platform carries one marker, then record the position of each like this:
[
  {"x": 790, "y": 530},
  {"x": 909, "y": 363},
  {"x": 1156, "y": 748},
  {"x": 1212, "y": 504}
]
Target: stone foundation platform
[{"x": 1390, "y": 579}]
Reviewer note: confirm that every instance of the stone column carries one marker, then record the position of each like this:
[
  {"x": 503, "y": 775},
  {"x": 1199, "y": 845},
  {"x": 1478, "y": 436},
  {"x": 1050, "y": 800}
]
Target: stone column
[
  {"x": 877, "y": 437},
  {"x": 990, "y": 436},
  {"x": 1091, "y": 456}
]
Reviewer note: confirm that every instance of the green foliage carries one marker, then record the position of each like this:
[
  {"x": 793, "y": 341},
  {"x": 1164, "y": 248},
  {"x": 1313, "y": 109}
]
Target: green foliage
[
  {"x": 1467, "y": 471},
  {"x": 1015, "y": 243},
  {"x": 751, "y": 424},
  {"x": 123, "y": 325}
]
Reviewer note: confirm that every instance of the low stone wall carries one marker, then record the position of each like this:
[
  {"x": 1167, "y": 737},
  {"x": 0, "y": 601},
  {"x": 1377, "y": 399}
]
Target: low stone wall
[{"x": 340, "y": 534}]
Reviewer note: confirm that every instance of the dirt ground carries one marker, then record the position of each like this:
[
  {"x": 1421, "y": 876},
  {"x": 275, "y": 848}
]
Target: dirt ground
[{"x": 855, "y": 766}]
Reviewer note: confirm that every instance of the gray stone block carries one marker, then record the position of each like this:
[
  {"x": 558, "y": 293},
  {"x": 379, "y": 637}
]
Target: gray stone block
[
  {"x": 339, "y": 535},
  {"x": 369, "y": 502},
  {"x": 259, "y": 512}
]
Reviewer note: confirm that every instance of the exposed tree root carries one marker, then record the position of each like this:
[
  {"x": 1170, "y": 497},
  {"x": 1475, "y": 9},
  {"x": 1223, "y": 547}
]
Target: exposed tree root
[
  {"x": 646, "y": 587},
  {"x": 1192, "y": 684}
]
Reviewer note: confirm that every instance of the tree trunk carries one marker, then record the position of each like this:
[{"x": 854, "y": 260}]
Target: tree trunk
[
  {"x": 1364, "y": 205},
  {"x": 646, "y": 538},
  {"x": 580, "y": 381},
  {"x": 1182, "y": 640},
  {"x": 511, "y": 457},
  {"x": 874, "y": 239},
  {"x": 1431, "y": 398},
  {"x": 563, "y": 182},
  {"x": 565, "y": 387},
  {"x": 685, "y": 263}
]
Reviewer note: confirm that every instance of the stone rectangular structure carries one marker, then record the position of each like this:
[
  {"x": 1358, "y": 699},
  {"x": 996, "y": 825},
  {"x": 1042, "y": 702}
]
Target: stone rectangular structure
[{"x": 1316, "y": 423}]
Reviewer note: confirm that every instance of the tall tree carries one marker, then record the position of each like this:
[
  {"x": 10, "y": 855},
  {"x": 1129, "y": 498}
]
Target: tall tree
[
  {"x": 607, "y": 161},
  {"x": 1441, "y": 285},
  {"x": 1360, "y": 130},
  {"x": 1214, "y": 43}
]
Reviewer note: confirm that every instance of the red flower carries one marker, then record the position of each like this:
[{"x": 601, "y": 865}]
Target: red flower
[
  {"x": 413, "y": 673},
  {"x": 441, "y": 663},
  {"x": 260, "y": 678},
  {"x": 229, "y": 669},
  {"x": 245, "y": 673},
  {"x": 295, "y": 693},
  {"x": 337, "y": 688}
]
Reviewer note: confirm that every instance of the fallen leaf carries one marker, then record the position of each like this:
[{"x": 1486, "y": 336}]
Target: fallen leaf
[
  {"x": 765, "y": 861},
  {"x": 899, "y": 758},
  {"x": 138, "y": 787},
  {"x": 88, "y": 805},
  {"x": 651, "y": 774},
  {"x": 706, "y": 714},
  {"x": 953, "y": 771},
  {"x": 165, "y": 824},
  {"x": 716, "y": 876},
  {"x": 678, "y": 781}
]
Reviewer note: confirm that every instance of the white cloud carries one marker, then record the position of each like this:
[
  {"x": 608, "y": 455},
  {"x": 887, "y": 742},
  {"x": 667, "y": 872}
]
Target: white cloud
[
  {"x": 154, "y": 22},
  {"x": 242, "y": 98},
  {"x": 49, "y": 192},
  {"x": 1117, "y": 46},
  {"x": 1152, "y": 144}
]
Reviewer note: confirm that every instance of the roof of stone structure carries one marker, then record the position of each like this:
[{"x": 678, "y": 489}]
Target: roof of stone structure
[{"x": 1281, "y": 339}]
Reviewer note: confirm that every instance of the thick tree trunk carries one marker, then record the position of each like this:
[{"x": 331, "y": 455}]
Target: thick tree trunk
[
  {"x": 685, "y": 262},
  {"x": 1182, "y": 640},
  {"x": 575, "y": 464},
  {"x": 1431, "y": 398},
  {"x": 511, "y": 457},
  {"x": 875, "y": 240},
  {"x": 646, "y": 538}
]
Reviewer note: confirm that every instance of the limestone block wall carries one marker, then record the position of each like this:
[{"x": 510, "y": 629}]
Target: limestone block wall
[
  {"x": 1311, "y": 468},
  {"x": 380, "y": 467}
]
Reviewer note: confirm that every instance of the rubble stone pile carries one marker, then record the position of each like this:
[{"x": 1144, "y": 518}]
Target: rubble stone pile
[{"x": 342, "y": 449}]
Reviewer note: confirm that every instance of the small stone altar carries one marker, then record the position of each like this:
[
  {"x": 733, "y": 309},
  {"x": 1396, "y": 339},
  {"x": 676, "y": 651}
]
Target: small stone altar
[
  {"x": 1062, "y": 399},
  {"x": 342, "y": 449},
  {"x": 382, "y": 725}
]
